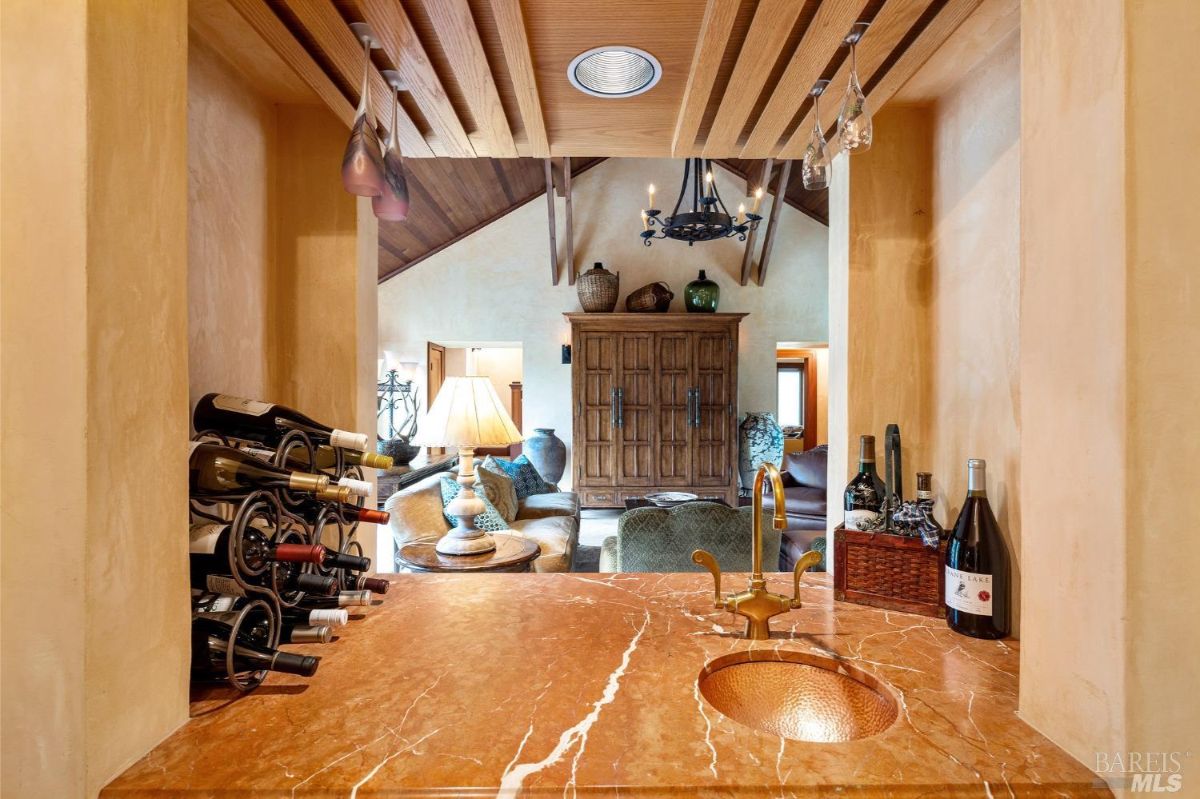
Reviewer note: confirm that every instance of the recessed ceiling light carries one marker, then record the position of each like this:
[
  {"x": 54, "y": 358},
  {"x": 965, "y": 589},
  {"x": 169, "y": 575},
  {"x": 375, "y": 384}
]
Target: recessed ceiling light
[{"x": 614, "y": 71}]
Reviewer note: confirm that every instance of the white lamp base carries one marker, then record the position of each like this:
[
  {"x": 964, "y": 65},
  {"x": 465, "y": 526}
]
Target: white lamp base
[{"x": 465, "y": 538}]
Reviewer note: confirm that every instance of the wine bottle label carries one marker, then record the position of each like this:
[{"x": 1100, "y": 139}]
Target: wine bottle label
[
  {"x": 220, "y": 584},
  {"x": 203, "y": 538},
  {"x": 969, "y": 592},
  {"x": 222, "y": 604},
  {"x": 239, "y": 405},
  {"x": 862, "y": 519},
  {"x": 346, "y": 440},
  {"x": 928, "y": 495}
]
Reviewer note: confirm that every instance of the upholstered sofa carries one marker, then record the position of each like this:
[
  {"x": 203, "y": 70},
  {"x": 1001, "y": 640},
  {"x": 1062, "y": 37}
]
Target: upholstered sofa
[
  {"x": 805, "y": 479},
  {"x": 662, "y": 540},
  {"x": 552, "y": 520}
]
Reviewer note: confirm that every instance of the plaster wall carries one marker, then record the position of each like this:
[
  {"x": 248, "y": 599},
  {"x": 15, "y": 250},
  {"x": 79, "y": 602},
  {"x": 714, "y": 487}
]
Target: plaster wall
[
  {"x": 495, "y": 285},
  {"x": 95, "y": 372},
  {"x": 231, "y": 138}
]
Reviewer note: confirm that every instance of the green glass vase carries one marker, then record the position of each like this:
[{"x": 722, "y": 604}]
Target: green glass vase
[{"x": 701, "y": 295}]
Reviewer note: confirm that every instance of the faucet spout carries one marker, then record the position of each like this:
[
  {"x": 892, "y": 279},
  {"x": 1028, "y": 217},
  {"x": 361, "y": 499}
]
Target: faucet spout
[{"x": 767, "y": 470}]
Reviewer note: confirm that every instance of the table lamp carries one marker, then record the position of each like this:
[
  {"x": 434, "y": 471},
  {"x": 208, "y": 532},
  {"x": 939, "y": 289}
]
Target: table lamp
[{"x": 466, "y": 414}]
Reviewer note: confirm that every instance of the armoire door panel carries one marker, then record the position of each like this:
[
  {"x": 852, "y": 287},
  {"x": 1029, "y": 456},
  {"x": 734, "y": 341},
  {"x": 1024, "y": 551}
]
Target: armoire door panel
[
  {"x": 712, "y": 414},
  {"x": 674, "y": 384},
  {"x": 595, "y": 434},
  {"x": 635, "y": 404}
]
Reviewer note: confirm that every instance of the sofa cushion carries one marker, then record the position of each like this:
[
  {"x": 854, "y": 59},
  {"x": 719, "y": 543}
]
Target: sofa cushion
[
  {"x": 500, "y": 491},
  {"x": 525, "y": 478},
  {"x": 796, "y": 543},
  {"x": 799, "y": 501},
  {"x": 539, "y": 506},
  {"x": 809, "y": 468},
  {"x": 490, "y": 520},
  {"x": 416, "y": 511},
  {"x": 555, "y": 537}
]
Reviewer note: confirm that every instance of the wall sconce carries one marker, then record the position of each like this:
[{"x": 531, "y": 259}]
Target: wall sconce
[{"x": 566, "y": 353}]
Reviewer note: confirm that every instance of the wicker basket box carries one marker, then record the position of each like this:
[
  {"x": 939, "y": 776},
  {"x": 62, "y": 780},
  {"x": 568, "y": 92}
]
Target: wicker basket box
[{"x": 887, "y": 571}]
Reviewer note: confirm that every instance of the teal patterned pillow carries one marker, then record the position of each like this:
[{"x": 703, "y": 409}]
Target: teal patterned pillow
[
  {"x": 489, "y": 520},
  {"x": 525, "y": 477}
]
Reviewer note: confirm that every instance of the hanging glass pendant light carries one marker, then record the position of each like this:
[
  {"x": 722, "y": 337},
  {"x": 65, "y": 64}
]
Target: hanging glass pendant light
[
  {"x": 392, "y": 204},
  {"x": 854, "y": 122},
  {"x": 362, "y": 163},
  {"x": 815, "y": 168}
]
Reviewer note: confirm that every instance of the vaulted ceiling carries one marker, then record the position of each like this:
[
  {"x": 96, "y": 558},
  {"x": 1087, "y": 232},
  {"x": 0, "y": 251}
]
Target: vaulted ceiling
[{"x": 487, "y": 80}]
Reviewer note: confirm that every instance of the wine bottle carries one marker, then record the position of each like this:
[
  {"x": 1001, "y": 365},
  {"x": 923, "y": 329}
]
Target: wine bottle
[
  {"x": 342, "y": 560},
  {"x": 977, "y": 566},
  {"x": 361, "y": 582},
  {"x": 925, "y": 489},
  {"x": 290, "y": 633},
  {"x": 267, "y": 422},
  {"x": 220, "y": 471},
  {"x": 359, "y": 488},
  {"x": 343, "y": 599},
  {"x": 326, "y": 458},
  {"x": 211, "y": 642},
  {"x": 350, "y": 513},
  {"x": 865, "y": 493},
  {"x": 331, "y": 617}
]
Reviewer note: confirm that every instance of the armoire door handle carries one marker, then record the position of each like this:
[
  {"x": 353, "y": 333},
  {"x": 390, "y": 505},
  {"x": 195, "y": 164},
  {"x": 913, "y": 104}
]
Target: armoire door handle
[
  {"x": 697, "y": 406},
  {"x": 620, "y": 407}
]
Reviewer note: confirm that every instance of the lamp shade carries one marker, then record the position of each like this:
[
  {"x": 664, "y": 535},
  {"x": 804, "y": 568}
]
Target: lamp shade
[{"x": 467, "y": 413}]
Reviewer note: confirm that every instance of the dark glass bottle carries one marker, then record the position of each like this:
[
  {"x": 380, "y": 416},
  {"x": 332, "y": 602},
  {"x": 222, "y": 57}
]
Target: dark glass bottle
[
  {"x": 343, "y": 599},
  {"x": 222, "y": 472},
  {"x": 213, "y": 636},
  {"x": 865, "y": 492},
  {"x": 977, "y": 565},
  {"x": 290, "y": 633},
  {"x": 266, "y": 422},
  {"x": 331, "y": 617},
  {"x": 701, "y": 295}
]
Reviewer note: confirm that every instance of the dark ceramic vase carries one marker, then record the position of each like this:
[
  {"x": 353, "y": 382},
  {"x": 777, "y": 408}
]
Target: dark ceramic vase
[
  {"x": 547, "y": 453},
  {"x": 701, "y": 295},
  {"x": 400, "y": 451}
]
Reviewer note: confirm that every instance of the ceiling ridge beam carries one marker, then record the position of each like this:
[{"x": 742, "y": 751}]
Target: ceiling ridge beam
[
  {"x": 344, "y": 51},
  {"x": 769, "y": 31},
  {"x": 885, "y": 32},
  {"x": 719, "y": 16},
  {"x": 464, "y": 50},
  {"x": 510, "y": 24},
  {"x": 399, "y": 40},
  {"x": 822, "y": 38}
]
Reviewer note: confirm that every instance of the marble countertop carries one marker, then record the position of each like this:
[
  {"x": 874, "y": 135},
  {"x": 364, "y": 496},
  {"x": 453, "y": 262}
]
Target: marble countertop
[{"x": 508, "y": 684}]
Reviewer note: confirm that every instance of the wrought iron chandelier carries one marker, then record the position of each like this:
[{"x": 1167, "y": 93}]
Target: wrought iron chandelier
[{"x": 704, "y": 216}]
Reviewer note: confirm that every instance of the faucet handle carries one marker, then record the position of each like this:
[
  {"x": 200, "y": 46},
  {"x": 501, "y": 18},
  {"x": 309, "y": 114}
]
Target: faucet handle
[
  {"x": 705, "y": 559},
  {"x": 810, "y": 558}
]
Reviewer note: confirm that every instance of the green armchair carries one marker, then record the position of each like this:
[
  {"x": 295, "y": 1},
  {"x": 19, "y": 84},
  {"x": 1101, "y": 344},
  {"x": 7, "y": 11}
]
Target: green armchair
[{"x": 661, "y": 540}]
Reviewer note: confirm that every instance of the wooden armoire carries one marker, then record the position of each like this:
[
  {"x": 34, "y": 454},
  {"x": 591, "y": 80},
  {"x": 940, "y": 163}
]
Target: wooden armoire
[{"x": 654, "y": 405}]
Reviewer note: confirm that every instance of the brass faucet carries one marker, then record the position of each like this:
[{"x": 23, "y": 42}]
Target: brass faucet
[{"x": 756, "y": 603}]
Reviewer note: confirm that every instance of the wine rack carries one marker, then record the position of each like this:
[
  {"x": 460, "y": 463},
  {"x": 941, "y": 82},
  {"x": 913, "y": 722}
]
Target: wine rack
[{"x": 231, "y": 589}]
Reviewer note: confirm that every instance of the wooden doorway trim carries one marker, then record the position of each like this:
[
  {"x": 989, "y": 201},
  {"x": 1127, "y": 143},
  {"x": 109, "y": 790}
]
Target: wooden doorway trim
[
  {"x": 808, "y": 360},
  {"x": 435, "y": 375}
]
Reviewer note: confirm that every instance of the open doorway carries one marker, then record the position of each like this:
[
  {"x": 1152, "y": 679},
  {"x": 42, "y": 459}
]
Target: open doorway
[{"x": 801, "y": 369}]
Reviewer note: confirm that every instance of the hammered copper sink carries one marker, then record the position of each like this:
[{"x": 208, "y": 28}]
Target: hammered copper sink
[{"x": 797, "y": 696}]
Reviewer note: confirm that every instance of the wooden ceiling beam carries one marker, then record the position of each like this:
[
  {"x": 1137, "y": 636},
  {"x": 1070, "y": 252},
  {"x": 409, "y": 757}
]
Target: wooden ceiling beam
[
  {"x": 286, "y": 46},
  {"x": 570, "y": 232},
  {"x": 893, "y": 21},
  {"x": 719, "y": 16},
  {"x": 553, "y": 226},
  {"x": 919, "y": 51},
  {"x": 345, "y": 53},
  {"x": 460, "y": 41},
  {"x": 511, "y": 26},
  {"x": 773, "y": 223},
  {"x": 769, "y": 31},
  {"x": 752, "y": 236},
  {"x": 395, "y": 32},
  {"x": 821, "y": 40}
]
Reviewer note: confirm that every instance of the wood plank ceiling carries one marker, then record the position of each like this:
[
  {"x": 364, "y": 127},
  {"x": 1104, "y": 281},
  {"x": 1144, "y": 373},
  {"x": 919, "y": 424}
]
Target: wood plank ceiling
[{"x": 487, "y": 79}]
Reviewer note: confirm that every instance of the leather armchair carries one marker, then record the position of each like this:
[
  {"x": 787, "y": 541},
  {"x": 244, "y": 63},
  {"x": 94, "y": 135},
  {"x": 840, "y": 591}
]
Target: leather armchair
[{"x": 805, "y": 481}]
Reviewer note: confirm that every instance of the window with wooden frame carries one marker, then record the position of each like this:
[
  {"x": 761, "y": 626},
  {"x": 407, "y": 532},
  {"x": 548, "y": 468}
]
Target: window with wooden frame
[{"x": 796, "y": 384}]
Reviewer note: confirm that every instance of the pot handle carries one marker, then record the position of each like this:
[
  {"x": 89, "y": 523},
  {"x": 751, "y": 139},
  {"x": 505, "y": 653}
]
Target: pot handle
[{"x": 663, "y": 283}]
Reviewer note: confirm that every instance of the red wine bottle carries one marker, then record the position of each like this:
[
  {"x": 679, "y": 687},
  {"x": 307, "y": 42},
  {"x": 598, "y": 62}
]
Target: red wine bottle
[
  {"x": 352, "y": 581},
  {"x": 267, "y": 422},
  {"x": 349, "y": 512},
  {"x": 865, "y": 492},
  {"x": 219, "y": 471},
  {"x": 977, "y": 565},
  {"x": 212, "y": 639},
  {"x": 342, "y": 560}
]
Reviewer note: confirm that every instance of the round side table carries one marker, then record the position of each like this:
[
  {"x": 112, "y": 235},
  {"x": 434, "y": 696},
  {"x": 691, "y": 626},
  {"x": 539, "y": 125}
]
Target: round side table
[{"x": 512, "y": 554}]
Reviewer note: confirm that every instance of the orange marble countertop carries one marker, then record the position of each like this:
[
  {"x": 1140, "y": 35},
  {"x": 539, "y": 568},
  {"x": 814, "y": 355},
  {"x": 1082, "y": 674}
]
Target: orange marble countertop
[{"x": 514, "y": 684}]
